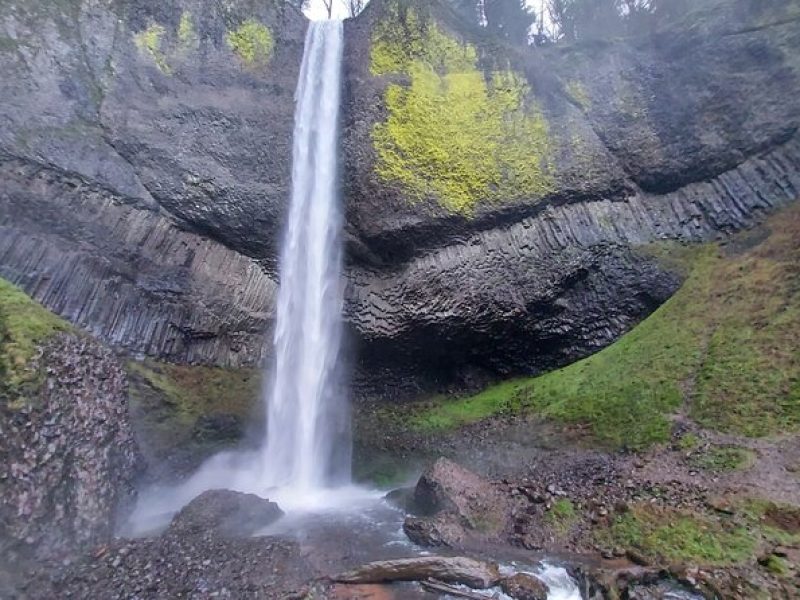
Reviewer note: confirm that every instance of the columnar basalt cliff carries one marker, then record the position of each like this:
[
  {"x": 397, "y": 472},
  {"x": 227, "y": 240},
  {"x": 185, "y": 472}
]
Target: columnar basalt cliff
[
  {"x": 687, "y": 134},
  {"x": 145, "y": 155}
]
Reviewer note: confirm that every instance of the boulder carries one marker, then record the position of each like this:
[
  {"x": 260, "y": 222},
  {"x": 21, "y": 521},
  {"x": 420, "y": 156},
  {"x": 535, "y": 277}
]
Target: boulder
[
  {"x": 449, "y": 487},
  {"x": 455, "y": 570},
  {"x": 224, "y": 513},
  {"x": 454, "y": 503},
  {"x": 441, "y": 530},
  {"x": 523, "y": 586}
]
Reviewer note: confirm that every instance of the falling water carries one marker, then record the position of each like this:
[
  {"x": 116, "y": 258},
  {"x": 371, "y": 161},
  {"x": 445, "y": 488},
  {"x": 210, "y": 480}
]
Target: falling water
[
  {"x": 306, "y": 446},
  {"x": 304, "y": 458}
]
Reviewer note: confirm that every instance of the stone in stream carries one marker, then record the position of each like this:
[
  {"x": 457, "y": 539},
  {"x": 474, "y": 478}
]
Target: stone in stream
[
  {"x": 454, "y": 503},
  {"x": 524, "y": 587},
  {"x": 473, "y": 573},
  {"x": 224, "y": 513},
  {"x": 441, "y": 530}
]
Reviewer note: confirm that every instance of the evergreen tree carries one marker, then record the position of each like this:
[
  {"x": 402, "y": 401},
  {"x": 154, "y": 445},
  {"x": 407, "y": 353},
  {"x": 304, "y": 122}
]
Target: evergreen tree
[{"x": 510, "y": 19}]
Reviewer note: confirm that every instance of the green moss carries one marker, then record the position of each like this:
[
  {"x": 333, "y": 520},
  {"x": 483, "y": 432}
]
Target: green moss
[
  {"x": 733, "y": 327},
  {"x": 252, "y": 42},
  {"x": 776, "y": 565},
  {"x": 688, "y": 442},
  {"x": 187, "y": 34},
  {"x": 577, "y": 92},
  {"x": 454, "y": 133},
  {"x": 150, "y": 42},
  {"x": 562, "y": 515},
  {"x": 168, "y": 401},
  {"x": 24, "y": 326},
  {"x": 193, "y": 391},
  {"x": 727, "y": 458},
  {"x": 672, "y": 536},
  {"x": 776, "y": 524}
]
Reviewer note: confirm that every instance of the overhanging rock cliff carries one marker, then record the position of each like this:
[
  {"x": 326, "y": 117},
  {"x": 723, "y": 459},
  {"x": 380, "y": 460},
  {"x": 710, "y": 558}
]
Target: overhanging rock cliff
[{"x": 686, "y": 134}]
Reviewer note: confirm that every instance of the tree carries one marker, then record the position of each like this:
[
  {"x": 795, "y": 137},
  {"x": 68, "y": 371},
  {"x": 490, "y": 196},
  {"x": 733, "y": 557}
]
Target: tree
[
  {"x": 509, "y": 19},
  {"x": 328, "y": 7},
  {"x": 354, "y": 7}
]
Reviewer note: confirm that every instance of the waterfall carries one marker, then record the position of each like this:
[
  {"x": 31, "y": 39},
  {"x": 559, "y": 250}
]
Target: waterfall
[
  {"x": 307, "y": 443},
  {"x": 304, "y": 459}
]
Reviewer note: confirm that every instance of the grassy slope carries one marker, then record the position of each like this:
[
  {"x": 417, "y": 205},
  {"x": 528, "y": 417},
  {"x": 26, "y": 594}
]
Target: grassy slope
[
  {"x": 726, "y": 345},
  {"x": 24, "y": 325}
]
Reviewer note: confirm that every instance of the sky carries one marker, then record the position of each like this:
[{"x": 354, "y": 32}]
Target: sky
[{"x": 316, "y": 9}]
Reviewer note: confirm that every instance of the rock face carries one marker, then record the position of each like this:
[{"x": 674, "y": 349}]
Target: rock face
[
  {"x": 144, "y": 158},
  {"x": 138, "y": 148},
  {"x": 224, "y": 513},
  {"x": 69, "y": 456},
  {"x": 685, "y": 135}
]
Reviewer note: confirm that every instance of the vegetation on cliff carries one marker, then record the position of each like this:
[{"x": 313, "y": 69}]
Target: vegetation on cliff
[
  {"x": 151, "y": 41},
  {"x": 252, "y": 42},
  {"x": 723, "y": 350},
  {"x": 24, "y": 326},
  {"x": 191, "y": 408},
  {"x": 454, "y": 133}
]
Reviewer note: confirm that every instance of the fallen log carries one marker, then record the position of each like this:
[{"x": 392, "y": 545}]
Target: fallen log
[{"x": 473, "y": 573}]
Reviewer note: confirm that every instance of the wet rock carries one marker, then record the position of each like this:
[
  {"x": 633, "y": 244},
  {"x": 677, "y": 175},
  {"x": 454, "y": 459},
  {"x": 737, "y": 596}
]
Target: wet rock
[
  {"x": 218, "y": 427},
  {"x": 402, "y": 498},
  {"x": 524, "y": 587},
  {"x": 224, "y": 513},
  {"x": 69, "y": 456},
  {"x": 441, "y": 530},
  {"x": 456, "y": 570}
]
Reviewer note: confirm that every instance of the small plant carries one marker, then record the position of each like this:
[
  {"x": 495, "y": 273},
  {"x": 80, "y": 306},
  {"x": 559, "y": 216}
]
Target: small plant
[
  {"x": 252, "y": 42},
  {"x": 562, "y": 515},
  {"x": 187, "y": 35},
  {"x": 728, "y": 458},
  {"x": 688, "y": 442},
  {"x": 150, "y": 42}
]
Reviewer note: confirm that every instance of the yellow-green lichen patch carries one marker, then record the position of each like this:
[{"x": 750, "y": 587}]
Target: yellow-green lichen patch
[
  {"x": 252, "y": 42},
  {"x": 150, "y": 41},
  {"x": 454, "y": 133},
  {"x": 187, "y": 34}
]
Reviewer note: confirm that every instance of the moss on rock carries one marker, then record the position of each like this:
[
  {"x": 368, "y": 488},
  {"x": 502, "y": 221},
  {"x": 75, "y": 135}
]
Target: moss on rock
[
  {"x": 252, "y": 42},
  {"x": 24, "y": 326},
  {"x": 187, "y": 34},
  {"x": 679, "y": 537},
  {"x": 150, "y": 42},
  {"x": 182, "y": 413},
  {"x": 454, "y": 133}
]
